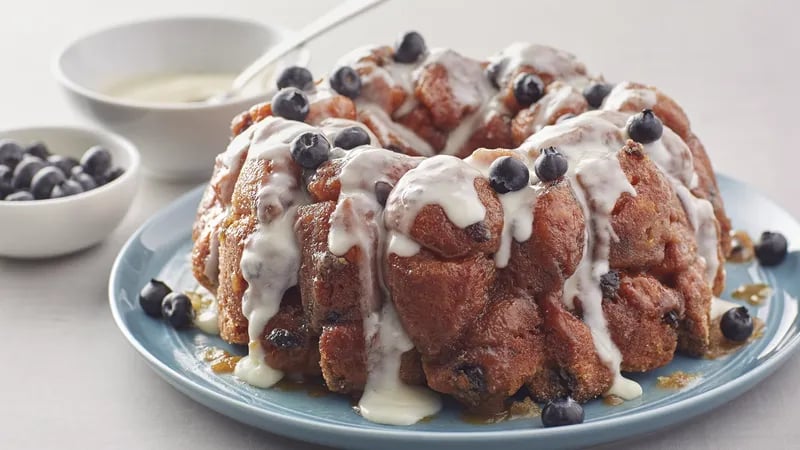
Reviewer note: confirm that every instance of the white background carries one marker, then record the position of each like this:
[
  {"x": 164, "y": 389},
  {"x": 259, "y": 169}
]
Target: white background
[{"x": 67, "y": 378}]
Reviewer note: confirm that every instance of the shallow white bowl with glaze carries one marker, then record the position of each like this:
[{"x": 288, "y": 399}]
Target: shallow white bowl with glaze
[
  {"x": 177, "y": 140},
  {"x": 47, "y": 228}
]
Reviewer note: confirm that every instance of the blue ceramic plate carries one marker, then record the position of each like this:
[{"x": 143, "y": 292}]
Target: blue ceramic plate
[{"x": 161, "y": 248}]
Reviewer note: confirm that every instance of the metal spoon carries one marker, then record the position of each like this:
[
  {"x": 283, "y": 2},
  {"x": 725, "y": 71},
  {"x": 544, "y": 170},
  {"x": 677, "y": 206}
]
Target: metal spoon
[{"x": 332, "y": 18}]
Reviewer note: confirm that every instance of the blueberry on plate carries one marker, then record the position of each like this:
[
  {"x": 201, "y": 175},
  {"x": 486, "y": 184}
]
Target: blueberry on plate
[
  {"x": 772, "y": 249},
  {"x": 45, "y": 180},
  {"x": 25, "y": 170},
  {"x": 177, "y": 309},
  {"x": 87, "y": 182},
  {"x": 528, "y": 89},
  {"x": 65, "y": 189},
  {"x": 595, "y": 93},
  {"x": 351, "y": 137},
  {"x": 5, "y": 180},
  {"x": 96, "y": 161},
  {"x": 19, "y": 196},
  {"x": 645, "y": 127},
  {"x": 290, "y": 103},
  {"x": 550, "y": 165},
  {"x": 310, "y": 149},
  {"x": 564, "y": 411},
  {"x": 64, "y": 163},
  {"x": 296, "y": 76},
  {"x": 507, "y": 174},
  {"x": 410, "y": 47},
  {"x": 11, "y": 153},
  {"x": 38, "y": 149},
  {"x": 152, "y": 296},
  {"x": 736, "y": 324},
  {"x": 346, "y": 81}
]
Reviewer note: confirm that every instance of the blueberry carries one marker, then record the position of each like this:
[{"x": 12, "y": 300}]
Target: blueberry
[
  {"x": 609, "y": 283},
  {"x": 65, "y": 189},
  {"x": 382, "y": 191},
  {"x": 45, "y": 180},
  {"x": 564, "y": 411},
  {"x": 11, "y": 153},
  {"x": 736, "y": 324},
  {"x": 96, "y": 161},
  {"x": 309, "y": 150},
  {"x": 284, "y": 339},
  {"x": 19, "y": 196},
  {"x": 38, "y": 149},
  {"x": 550, "y": 165},
  {"x": 346, "y": 82},
  {"x": 296, "y": 76},
  {"x": 528, "y": 89},
  {"x": 352, "y": 137},
  {"x": 508, "y": 174},
  {"x": 5, "y": 180},
  {"x": 87, "y": 183},
  {"x": 595, "y": 93},
  {"x": 772, "y": 249},
  {"x": 152, "y": 296},
  {"x": 65, "y": 163},
  {"x": 177, "y": 309},
  {"x": 290, "y": 103},
  {"x": 645, "y": 127},
  {"x": 109, "y": 176},
  {"x": 409, "y": 47},
  {"x": 23, "y": 173}
]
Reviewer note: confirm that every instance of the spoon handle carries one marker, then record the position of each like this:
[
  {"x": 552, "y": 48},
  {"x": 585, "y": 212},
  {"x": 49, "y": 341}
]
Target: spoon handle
[{"x": 337, "y": 15}]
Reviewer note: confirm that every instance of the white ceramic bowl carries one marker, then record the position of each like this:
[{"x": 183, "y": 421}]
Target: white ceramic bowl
[
  {"x": 45, "y": 228},
  {"x": 177, "y": 140}
]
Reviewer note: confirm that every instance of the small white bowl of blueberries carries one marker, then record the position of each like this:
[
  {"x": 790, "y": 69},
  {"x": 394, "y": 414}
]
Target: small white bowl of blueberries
[{"x": 62, "y": 189}]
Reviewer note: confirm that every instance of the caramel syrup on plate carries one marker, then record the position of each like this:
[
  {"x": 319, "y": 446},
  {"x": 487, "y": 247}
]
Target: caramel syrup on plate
[
  {"x": 676, "y": 380},
  {"x": 742, "y": 248},
  {"x": 755, "y": 294},
  {"x": 524, "y": 409},
  {"x": 719, "y": 345},
  {"x": 613, "y": 400},
  {"x": 219, "y": 360},
  {"x": 199, "y": 302}
]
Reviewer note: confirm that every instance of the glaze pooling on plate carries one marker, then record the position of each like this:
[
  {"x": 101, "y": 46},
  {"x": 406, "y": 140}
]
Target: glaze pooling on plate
[{"x": 327, "y": 420}]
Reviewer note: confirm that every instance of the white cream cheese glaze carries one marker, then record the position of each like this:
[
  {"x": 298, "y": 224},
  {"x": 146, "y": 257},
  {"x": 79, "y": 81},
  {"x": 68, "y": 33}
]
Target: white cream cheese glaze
[
  {"x": 357, "y": 221},
  {"x": 591, "y": 143},
  {"x": 441, "y": 180}
]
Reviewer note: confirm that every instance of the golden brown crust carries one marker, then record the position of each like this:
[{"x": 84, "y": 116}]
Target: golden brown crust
[
  {"x": 425, "y": 290},
  {"x": 434, "y": 231},
  {"x": 638, "y": 320}
]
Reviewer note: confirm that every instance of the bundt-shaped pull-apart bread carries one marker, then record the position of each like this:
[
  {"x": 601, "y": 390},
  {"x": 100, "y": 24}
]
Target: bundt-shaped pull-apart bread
[{"x": 422, "y": 221}]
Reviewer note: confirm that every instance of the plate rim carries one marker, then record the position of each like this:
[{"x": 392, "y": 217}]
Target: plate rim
[{"x": 635, "y": 421}]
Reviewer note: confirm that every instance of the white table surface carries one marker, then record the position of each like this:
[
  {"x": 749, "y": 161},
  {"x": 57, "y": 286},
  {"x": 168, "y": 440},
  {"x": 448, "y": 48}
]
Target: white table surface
[{"x": 68, "y": 379}]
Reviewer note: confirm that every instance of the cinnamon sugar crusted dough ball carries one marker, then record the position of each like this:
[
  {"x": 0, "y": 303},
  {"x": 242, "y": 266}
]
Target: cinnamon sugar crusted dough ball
[{"x": 396, "y": 264}]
